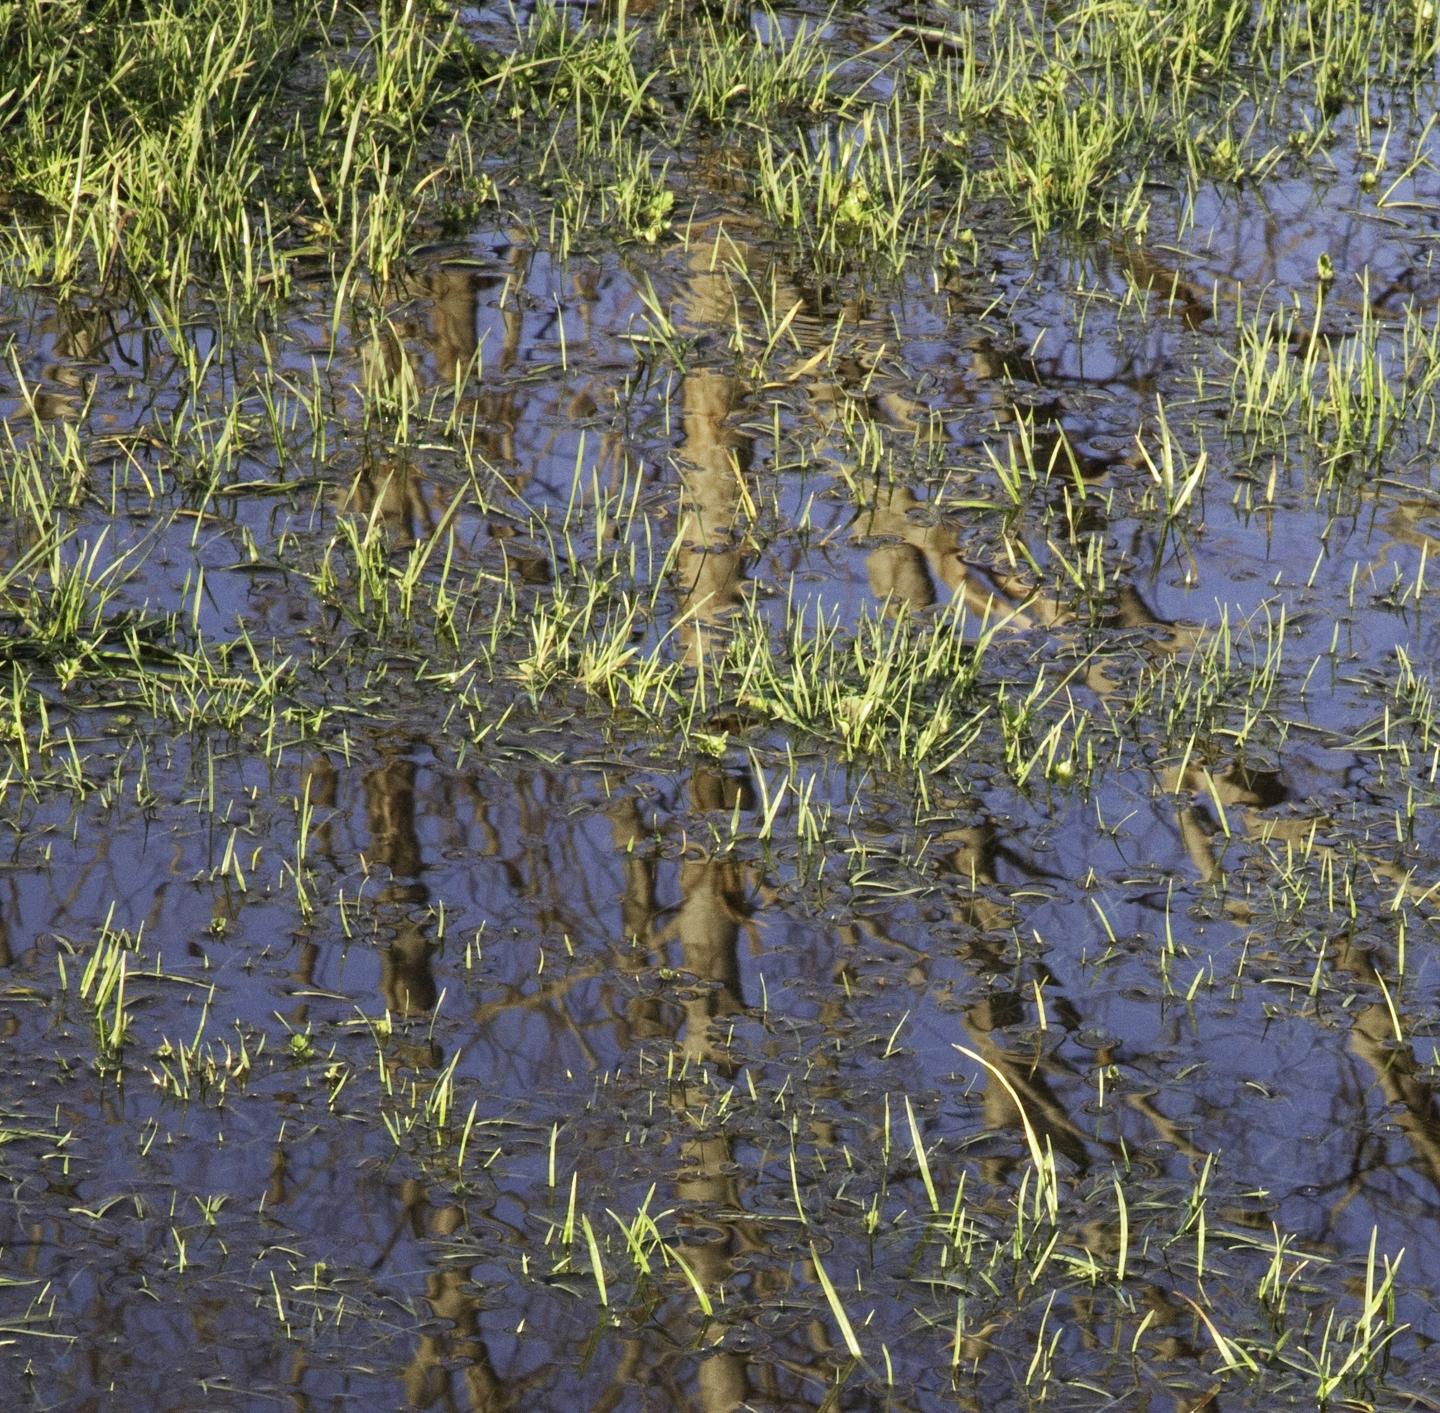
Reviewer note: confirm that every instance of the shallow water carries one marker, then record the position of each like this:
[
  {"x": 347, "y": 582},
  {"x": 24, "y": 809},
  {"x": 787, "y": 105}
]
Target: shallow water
[{"x": 1202, "y": 972}]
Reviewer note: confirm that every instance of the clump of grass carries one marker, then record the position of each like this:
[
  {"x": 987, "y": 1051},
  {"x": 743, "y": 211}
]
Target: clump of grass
[
  {"x": 1357, "y": 397},
  {"x": 148, "y": 146},
  {"x": 900, "y": 692},
  {"x": 851, "y": 191}
]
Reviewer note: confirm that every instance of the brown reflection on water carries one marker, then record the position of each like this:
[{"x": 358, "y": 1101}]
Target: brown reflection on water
[
  {"x": 712, "y": 921},
  {"x": 714, "y": 458},
  {"x": 1035, "y": 1079},
  {"x": 713, "y": 463},
  {"x": 1163, "y": 279},
  {"x": 712, "y": 918},
  {"x": 407, "y": 982},
  {"x": 454, "y": 304},
  {"x": 1052, "y": 1089},
  {"x": 918, "y": 555},
  {"x": 392, "y": 861},
  {"x": 391, "y": 492},
  {"x": 451, "y": 1366},
  {"x": 1406, "y": 1096},
  {"x": 437, "y": 313},
  {"x": 83, "y": 338},
  {"x": 1238, "y": 788},
  {"x": 712, "y": 915}
]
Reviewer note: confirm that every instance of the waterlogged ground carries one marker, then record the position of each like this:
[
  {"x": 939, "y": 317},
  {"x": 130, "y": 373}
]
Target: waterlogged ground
[{"x": 719, "y": 709}]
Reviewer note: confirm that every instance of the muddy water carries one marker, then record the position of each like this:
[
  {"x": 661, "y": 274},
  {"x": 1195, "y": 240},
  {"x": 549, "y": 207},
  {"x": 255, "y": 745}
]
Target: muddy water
[{"x": 1204, "y": 976}]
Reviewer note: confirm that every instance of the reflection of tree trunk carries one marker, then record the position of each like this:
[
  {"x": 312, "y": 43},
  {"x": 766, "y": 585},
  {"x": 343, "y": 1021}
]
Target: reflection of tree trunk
[
  {"x": 639, "y": 908},
  {"x": 1163, "y": 281},
  {"x": 459, "y": 1346},
  {"x": 394, "y": 493},
  {"x": 390, "y": 814},
  {"x": 721, "y": 1379},
  {"x": 918, "y": 555},
  {"x": 496, "y": 402},
  {"x": 939, "y": 557},
  {"x": 1047, "y": 1113},
  {"x": 973, "y": 859},
  {"x": 406, "y": 980},
  {"x": 320, "y": 784},
  {"x": 707, "y": 926},
  {"x": 81, "y": 336},
  {"x": 454, "y": 306},
  {"x": 7, "y": 954},
  {"x": 1248, "y": 796},
  {"x": 710, "y": 568},
  {"x": 899, "y": 573},
  {"x": 277, "y": 1189}
]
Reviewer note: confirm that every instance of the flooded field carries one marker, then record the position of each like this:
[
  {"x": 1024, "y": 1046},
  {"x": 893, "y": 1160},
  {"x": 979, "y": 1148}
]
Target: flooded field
[{"x": 722, "y": 708}]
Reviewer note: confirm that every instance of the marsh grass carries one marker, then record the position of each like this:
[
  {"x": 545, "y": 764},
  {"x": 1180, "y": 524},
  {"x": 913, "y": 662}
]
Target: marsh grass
[{"x": 148, "y": 149}]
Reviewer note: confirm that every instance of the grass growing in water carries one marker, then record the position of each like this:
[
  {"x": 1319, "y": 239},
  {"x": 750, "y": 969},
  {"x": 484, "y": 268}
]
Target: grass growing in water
[{"x": 721, "y": 692}]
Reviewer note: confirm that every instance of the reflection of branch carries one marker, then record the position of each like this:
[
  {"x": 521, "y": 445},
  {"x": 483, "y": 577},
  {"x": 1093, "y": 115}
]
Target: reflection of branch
[
  {"x": 1373, "y": 1037},
  {"x": 1030, "y": 1093},
  {"x": 486, "y": 1012},
  {"x": 1374, "y": 1040},
  {"x": 1165, "y": 1127},
  {"x": 585, "y": 1048}
]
